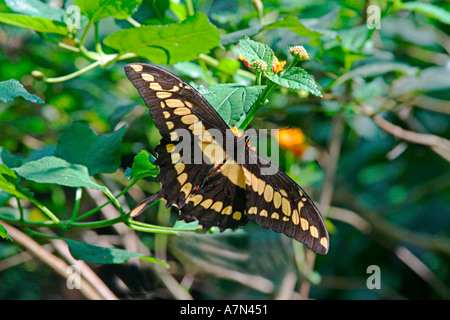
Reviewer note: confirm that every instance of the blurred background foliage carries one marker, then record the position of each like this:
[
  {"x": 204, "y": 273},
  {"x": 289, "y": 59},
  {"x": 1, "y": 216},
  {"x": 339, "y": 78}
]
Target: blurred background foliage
[{"x": 373, "y": 153}]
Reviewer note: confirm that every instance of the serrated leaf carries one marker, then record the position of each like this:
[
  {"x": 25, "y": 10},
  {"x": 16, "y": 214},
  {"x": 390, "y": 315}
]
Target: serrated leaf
[
  {"x": 253, "y": 50},
  {"x": 34, "y": 23},
  {"x": 168, "y": 44},
  {"x": 297, "y": 78},
  {"x": 100, "y": 9},
  {"x": 4, "y": 233},
  {"x": 12, "y": 88},
  {"x": 57, "y": 171},
  {"x": 101, "y": 255},
  {"x": 79, "y": 144},
  {"x": 142, "y": 167},
  {"x": 293, "y": 24},
  {"x": 232, "y": 101}
]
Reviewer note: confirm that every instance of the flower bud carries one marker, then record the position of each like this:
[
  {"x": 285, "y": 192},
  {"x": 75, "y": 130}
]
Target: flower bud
[
  {"x": 259, "y": 65},
  {"x": 299, "y": 52}
]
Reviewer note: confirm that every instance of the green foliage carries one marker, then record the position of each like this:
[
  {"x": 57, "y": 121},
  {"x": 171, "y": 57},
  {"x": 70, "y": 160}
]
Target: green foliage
[
  {"x": 232, "y": 101},
  {"x": 372, "y": 106},
  {"x": 95, "y": 254},
  {"x": 167, "y": 44},
  {"x": 11, "y": 89}
]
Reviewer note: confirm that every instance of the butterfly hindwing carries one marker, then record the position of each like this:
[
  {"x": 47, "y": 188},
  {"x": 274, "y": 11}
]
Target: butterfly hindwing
[{"x": 276, "y": 202}]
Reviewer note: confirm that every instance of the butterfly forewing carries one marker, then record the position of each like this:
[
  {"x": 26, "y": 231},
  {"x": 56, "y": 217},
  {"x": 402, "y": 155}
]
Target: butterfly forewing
[{"x": 216, "y": 189}]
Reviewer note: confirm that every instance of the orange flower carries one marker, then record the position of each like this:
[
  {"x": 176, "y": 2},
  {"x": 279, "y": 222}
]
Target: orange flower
[
  {"x": 292, "y": 139},
  {"x": 277, "y": 66}
]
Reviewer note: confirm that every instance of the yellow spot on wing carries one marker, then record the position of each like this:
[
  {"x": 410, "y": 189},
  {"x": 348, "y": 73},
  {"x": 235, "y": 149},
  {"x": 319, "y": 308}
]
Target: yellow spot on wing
[
  {"x": 227, "y": 210},
  {"x": 179, "y": 167},
  {"x": 237, "y": 215},
  {"x": 163, "y": 94},
  {"x": 166, "y": 114},
  {"x": 295, "y": 217},
  {"x": 217, "y": 206},
  {"x": 189, "y": 119},
  {"x": 147, "y": 77},
  {"x": 324, "y": 242},
  {"x": 268, "y": 193},
  {"x": 155, "y": 85},
  {"x": 275, "y": 215},
  {"x": 304, "y": 224},
  {"x": 314, "y": 232},
  {"x": 182, "y": 178},
  {"x": 136, "y": 67},
  {"x": 186, "y": 189},
  {"x": 196, "y": 199},
  {"x": 182, "y": 111},
  {"x": 174, "y": 103},
  {"x": 263, "y": 213},
  {"x": 253, "y": 210},
  {"x": 170, "y": 125},
  {"x": 207, "y": 203},
  {"x": 286, "y": 206},
  {"x": 276, "y": 199},
  {"x": 170, "y": 147}
]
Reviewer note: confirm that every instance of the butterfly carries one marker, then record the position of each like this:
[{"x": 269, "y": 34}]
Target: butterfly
[{"x": 219, "y": 186}]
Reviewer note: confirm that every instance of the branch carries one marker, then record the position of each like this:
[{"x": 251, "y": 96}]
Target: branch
[
  {"x": 52, "y": 261},
  {"x": 438, "y": 144}
]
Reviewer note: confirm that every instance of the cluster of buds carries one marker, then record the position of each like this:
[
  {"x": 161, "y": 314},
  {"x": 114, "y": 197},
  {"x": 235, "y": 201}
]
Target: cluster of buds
[
  {"x": 299, "y": 52},
  {"x": 259, "y": 65}
]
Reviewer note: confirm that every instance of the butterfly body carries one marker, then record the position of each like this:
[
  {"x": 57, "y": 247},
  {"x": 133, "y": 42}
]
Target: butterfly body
[{"x": 210, "y": 173}]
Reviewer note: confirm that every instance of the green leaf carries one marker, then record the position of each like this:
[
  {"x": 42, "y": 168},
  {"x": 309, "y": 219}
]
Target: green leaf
[
  {"x": 142, "y": 167},
  {"x": 428, "y": 9},
  {"x": 168, "y": 44},
  {"x": 100, "y": 9},
  {"x": 34, "y": 23},
  {"x": 185, "y": 226},
  {"x": 4, "y": 233},
  {"x": 101, "y": 255},
  {"x": 297, "y": 78},
  {"x": 253, "y": 50},
  {"x": 12, "y": 88},
  {"x": 8, "y": 183},
  {"x": 232, "y": 101},
  {"x": 293, "y": 24},
  {"x": 79, "y": 144},
  {"x": 57, "y": 171}
]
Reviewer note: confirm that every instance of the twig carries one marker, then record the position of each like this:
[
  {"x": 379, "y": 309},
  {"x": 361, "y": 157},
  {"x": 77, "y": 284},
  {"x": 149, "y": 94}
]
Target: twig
[
  {"x": 435, "y": 142},
  {"x": 52, "y": 261}
]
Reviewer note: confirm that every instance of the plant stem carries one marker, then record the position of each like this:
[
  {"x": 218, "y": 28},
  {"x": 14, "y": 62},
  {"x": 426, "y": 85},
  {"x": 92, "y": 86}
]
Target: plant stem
[
  {"x": 190, "y": 7},
  {"x": 74, "y": 74},
  {"x": 76, "y": 206},
  {"x": 133, "y": 22},
  {"x": 258, "y": 104}
]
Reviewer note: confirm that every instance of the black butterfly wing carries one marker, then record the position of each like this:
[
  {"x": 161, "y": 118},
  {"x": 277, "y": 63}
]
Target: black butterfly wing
[
  {"x": 195, "y": 185},
  {"x": 276, "y": 202}
]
